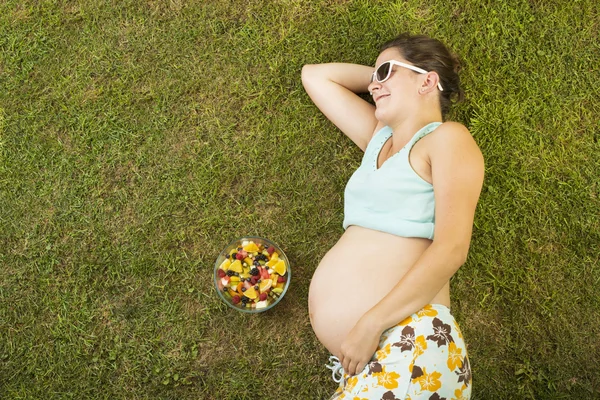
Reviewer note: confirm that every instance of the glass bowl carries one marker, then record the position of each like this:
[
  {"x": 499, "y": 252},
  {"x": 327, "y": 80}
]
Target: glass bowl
[{"x": 257, "y": 269}]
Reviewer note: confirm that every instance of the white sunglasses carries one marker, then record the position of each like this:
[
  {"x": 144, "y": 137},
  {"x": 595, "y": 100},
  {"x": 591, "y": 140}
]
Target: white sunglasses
[{"x": 383, "y": 72}]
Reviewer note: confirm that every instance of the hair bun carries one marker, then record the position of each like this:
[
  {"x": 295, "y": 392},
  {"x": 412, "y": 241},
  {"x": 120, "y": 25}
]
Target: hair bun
[{"x": 456, "y": 63}]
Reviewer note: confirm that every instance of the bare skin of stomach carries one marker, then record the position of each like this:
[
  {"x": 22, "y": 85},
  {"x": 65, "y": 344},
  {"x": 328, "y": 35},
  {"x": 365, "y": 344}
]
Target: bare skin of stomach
[{"x": 354, "y": 275}]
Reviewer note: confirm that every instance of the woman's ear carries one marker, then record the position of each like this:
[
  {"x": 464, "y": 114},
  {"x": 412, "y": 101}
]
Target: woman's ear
[{"x": 430, "y": 82}]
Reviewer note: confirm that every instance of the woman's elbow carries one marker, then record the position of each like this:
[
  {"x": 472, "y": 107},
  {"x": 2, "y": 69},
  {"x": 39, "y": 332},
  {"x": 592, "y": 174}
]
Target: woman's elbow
[
  {"x": 454, "y": 252},
  {"x": 460, "y": 253},
  {"x": 307, "y": 73}
]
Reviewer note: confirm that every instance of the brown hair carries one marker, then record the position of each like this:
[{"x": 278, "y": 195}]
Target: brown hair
[{"x": 431, "y": 55}]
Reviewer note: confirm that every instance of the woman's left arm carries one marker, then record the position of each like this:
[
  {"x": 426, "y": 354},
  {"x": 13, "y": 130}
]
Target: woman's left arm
[{"x": 457, "y": 175}]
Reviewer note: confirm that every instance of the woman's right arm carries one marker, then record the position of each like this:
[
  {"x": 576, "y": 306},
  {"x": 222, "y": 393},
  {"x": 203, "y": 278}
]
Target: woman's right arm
[{"x": 333, "y": 88}]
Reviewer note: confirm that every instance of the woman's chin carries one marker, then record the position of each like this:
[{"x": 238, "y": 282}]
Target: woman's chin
[{"x": 381, "y": 115}]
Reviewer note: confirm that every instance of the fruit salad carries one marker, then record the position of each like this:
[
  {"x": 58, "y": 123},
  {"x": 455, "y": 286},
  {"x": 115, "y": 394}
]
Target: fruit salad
[{"x": 252, "y": 276}]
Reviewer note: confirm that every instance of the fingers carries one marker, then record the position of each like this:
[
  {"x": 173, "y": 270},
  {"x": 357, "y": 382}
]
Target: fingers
[
  {"x": 360, "y": 366},
  {"x": 352, "y": 367},
  {"x": 345, "y": 361},
  {"x": 347, "y": 364}
]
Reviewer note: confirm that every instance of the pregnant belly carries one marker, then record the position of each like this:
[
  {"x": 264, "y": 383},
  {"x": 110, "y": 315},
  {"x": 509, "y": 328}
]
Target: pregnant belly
[{"x": 353, "y": 276}]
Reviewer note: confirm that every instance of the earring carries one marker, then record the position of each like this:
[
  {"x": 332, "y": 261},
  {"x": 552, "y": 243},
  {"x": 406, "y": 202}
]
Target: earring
[{"x": 371, "y": 93}]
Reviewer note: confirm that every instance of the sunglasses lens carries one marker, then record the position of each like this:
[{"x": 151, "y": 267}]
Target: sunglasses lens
[{"x": 383, "y": 71}]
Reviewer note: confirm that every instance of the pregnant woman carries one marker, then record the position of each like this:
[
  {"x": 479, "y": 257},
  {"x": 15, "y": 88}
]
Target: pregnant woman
[{"x": 408, "y": 217}]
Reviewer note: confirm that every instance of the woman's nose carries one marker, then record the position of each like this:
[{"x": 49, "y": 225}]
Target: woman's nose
[{"x": 374, "y": 85}]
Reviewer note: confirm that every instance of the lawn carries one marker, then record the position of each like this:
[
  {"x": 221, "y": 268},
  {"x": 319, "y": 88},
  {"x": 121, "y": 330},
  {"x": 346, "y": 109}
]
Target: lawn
[{"x": 137, "y": 138}]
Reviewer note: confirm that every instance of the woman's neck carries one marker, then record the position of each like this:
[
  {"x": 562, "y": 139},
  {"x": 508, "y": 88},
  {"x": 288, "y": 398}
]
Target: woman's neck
[{"x": 404, "y": 129}]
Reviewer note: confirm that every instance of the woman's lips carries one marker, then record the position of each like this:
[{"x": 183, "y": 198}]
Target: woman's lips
[{"x": 380, "y": 97}]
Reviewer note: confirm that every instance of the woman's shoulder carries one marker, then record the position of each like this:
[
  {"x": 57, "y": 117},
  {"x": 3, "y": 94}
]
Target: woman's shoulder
[
  {"x": 451, "y": 132},
  {"x": 453, "y": 128},
  {"x": 452, "y": 137}
]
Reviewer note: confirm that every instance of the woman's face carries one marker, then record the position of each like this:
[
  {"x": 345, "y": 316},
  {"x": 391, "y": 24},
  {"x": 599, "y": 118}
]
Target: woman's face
[{"x": 398, "y": 92}]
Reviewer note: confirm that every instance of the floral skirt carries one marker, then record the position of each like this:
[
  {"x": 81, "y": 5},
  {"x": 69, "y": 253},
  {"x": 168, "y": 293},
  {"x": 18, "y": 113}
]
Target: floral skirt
[{"x": 423, "y": 357}]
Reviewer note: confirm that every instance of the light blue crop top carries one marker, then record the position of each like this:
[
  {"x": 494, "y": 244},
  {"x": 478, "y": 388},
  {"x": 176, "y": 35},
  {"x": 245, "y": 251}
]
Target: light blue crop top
[{"x": 393, "y": 198}]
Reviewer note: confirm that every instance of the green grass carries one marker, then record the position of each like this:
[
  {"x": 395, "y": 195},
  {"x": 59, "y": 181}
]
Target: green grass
[{"x": 138, "y": 138}]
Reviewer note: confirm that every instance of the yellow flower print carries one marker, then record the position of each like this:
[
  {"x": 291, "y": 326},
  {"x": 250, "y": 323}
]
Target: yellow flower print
[
  {"x": 379, "y": 372},
  {"x": 350, "y": 383},
  {"x": 420, "y": 345},
  {"x": 383, "y": 353},
  {"x": 457, "y": 329},
  {"x": 406, "y": 321},
  {"x": 389, "y": 380},
  {"x": 430, "y": 382},
  {"x": 427, "y": 311},
  {"x": 458, "y": 393},
  {"x": 358, "y": 398},
  {"x": 454, "y": 356}
]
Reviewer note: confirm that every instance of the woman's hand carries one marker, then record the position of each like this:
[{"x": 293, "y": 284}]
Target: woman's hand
[{"x": 359, "y": 346}]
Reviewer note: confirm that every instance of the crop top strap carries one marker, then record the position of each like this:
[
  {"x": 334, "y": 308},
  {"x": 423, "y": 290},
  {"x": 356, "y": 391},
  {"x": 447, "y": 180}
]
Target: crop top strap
[{"x": 424, "y": 131}]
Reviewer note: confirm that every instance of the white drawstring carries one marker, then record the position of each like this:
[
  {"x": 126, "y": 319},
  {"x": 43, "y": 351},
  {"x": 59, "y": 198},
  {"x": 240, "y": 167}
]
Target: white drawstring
[{"x": 336, "y": 367}]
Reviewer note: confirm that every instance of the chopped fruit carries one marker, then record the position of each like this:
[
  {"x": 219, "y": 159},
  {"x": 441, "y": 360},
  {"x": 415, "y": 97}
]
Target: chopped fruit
[
  {"x": 225, "y": 281},
  {"x": 264, "y": 274},
  {"x": 251, "y": 247},
  {"x": 261, "y": 304},
  {"x": 252, "y": 275},
  {"x": 280, "y": 267},
  {"x": 251, "y": 293},
  {"x": 236, "y": 266},
  {"x": 270, "y": 263},
  {"x": 265, "y": 285},
  {"x": 225, "y": 265}
]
